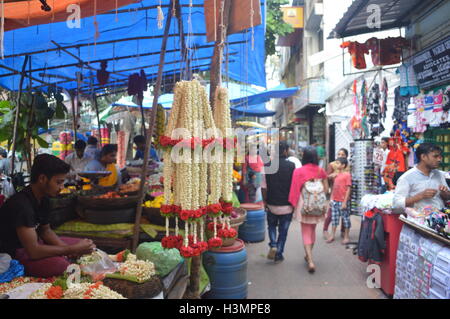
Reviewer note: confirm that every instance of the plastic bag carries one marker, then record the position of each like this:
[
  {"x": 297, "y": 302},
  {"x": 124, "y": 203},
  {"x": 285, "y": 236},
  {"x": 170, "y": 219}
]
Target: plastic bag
[
  {"x": 7, "y": 187},
  {"x": 5, "y": 261},
  {"x": 15, "y": 270},
  {"x": 165, "y": 260},
  {"x": 97, "y": 265}
]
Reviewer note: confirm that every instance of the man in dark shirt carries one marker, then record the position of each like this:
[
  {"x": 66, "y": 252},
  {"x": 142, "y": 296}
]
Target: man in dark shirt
[
  {"x": 140, "y": 141},
  {"x": 25, "y": 232},
  {"x": 275, "y": 191}
]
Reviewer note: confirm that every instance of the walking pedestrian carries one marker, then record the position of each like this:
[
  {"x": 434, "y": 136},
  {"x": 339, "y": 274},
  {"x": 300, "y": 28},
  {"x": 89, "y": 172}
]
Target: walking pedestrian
[
  {"x": 309, "y": 172},
  {"x": 275, "y": 192},
  {"x": 339, "y": 201},
  {"x": 251, "y": 176},
  {"x": 333, "y": 170},
  {"x": 292, "y": 158}
]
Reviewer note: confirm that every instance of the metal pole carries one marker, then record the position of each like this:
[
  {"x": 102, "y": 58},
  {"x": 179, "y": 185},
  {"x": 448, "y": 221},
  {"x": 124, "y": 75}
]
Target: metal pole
[
  {"x": 150, "y": 130},
  {"x": 16, "y": 120}
]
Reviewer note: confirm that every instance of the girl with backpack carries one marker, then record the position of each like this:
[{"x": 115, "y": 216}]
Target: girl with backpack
[{"x": 308, "y": 197}]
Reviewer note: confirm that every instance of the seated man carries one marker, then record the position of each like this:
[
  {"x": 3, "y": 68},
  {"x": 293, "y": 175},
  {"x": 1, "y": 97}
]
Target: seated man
[
  {"x": 106, "y": 162},
  {"x": 78, "y": 159},
  {"x": 139, "y": 140},
  {"x": 423, "y": 185},
  {"x": 25, "y": 232}
]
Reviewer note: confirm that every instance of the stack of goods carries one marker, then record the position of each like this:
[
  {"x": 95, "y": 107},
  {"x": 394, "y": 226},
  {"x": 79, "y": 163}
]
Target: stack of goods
[
  {"x": 65, "y": 138},
  {"x": 364, "y": 180},
  {"x": 132, "y": 186},
  {"x": 56, "y": 148},
  {"x": 440, "y": 137},
  {"x": 423, "y": 267},
  {"x": 431, "y": 219},
  {"x": 198, "y": 167}
]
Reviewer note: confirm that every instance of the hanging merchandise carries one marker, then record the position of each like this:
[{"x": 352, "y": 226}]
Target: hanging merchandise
[
  {"x": 401, "y": 107},
  {"x": 386, "y": 51},
  {"x": 357, "y": 51},
  {"x": 384, "y": 96},
  {"x": 374, "y": 111},
  {"x": 102, "y": 74},
  {"x": 364, "y": 180},
  {"x": 137, "y": 84},
  {"x": 195, "y": 186},
  {"x": 355, "y": 122},
  {"x": 436, "y": 118},
  {"x": 396, "y": 161},
  {"x": 408, "y": 81},
  {"x": 372, "y": 244}
]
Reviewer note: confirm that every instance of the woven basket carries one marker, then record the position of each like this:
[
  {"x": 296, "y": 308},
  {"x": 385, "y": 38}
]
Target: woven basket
[
  {"x": 154, "y": 217},
  {"x": 59, "y": 216},
  {"x": 62, "y": 201},
  {"x": 112, "y": 216},
  {"x": 132, "y": 290},
  {"x": 107, "y": 203},
  {"x": 236, "y": 222}
]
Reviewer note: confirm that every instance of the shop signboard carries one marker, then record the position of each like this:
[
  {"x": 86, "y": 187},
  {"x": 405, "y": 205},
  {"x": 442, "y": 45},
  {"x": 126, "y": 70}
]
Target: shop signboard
[
  {"x": 293, "y": 16},
  {"x": 432, "y": 66}
]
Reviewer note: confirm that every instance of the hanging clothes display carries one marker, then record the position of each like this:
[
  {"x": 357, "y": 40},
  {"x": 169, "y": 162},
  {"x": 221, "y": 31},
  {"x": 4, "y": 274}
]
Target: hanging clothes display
[
  {"x": 401, "y": 106},
  {"x": 374, "y": 111},
  {"x": 408, "y": 81},
  {"x": 357, "y": 51},
  {"x": 386, "y": 51}
]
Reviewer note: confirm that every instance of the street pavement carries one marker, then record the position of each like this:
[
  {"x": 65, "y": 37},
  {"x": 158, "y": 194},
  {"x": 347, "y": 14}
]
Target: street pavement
[{"x": 339, "y": 274}]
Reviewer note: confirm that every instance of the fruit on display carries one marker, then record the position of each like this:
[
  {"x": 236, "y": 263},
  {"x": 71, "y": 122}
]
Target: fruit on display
[
  {"x": 156, "y": 203},
  {"x": 110, "y": 195}
]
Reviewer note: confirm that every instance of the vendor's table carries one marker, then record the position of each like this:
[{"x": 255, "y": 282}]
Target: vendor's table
[{"x": 423, "y": 263}]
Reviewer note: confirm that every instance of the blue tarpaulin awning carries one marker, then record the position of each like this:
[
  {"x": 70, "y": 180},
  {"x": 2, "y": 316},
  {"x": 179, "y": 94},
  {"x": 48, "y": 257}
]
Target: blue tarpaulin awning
[{"x": 130, "y": 41}]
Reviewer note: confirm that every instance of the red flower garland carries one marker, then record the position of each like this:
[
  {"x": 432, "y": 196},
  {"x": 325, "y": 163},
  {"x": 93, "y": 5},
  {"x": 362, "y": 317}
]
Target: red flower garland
[
  {"x": 227, "y": 233},
  {"x": 215, "y": 242},
  {"x": 192, "y": 143}
]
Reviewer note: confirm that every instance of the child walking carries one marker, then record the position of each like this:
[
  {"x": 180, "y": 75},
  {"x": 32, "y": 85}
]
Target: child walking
[{"x": 339, "y": 199}]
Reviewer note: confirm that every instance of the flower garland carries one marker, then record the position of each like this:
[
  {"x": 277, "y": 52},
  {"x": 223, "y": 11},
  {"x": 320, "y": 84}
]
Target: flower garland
[
  {"x": 222, "y": 118},
  {"x": 185, "y": 177}
]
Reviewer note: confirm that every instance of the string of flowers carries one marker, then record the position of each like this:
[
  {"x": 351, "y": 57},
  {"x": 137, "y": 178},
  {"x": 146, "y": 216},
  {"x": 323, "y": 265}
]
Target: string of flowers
[{"x": 185, "y": 178}]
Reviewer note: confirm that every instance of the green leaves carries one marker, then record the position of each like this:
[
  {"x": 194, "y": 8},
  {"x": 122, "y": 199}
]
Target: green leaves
[
  {"x": 60, "y": 111},
  {"x": 42, "y": 143},
  {"x": 275, "y": 24}
]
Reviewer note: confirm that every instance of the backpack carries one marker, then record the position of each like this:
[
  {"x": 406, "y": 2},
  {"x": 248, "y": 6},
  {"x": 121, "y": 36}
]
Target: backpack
[{"x": 314, "y": 198}]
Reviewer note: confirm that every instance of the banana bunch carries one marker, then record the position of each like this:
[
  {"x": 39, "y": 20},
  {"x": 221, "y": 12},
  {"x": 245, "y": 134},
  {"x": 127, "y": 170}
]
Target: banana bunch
[
  {"x": 160, "y": 123},
  {"x": 156, "y": 203}
]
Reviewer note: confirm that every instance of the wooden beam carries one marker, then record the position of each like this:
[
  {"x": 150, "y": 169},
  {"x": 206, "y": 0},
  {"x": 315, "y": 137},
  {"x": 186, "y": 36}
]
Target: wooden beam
[
  {"x": 16, "y": 119},
  {"x": 150, "y": 130},
  {"x": 216, "y": 63}
]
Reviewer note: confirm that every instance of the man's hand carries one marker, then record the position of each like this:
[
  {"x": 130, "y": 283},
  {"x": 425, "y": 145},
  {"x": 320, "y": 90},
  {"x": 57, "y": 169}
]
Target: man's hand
[
  {"x": 428, "y": 193},
  {"x": 444, "y": 192},
  {"x": 344, "y": 205},
  {"x": 83, "y": 247}
]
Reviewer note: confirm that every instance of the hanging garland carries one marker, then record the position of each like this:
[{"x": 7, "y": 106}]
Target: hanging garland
[{"x": 185, "y": 179}]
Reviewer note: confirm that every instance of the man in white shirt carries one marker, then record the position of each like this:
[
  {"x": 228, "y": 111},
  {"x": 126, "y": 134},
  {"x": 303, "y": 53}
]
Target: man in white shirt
[
  {"x": 292, "y": 158},
  {"x": 78, "y": 159},
  {"x": 423, "y": 185}
]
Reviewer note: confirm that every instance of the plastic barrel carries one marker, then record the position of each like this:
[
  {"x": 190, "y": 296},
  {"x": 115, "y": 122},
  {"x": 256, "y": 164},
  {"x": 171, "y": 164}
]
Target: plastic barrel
[
  {"x": 227, "y": 271},
  {"x": 254, "y": 228}
]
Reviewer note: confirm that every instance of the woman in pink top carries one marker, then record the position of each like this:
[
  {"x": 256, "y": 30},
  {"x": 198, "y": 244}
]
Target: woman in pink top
[
  {"x": 310, "y": 170},
  {"x": 251, "y": 175}
]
